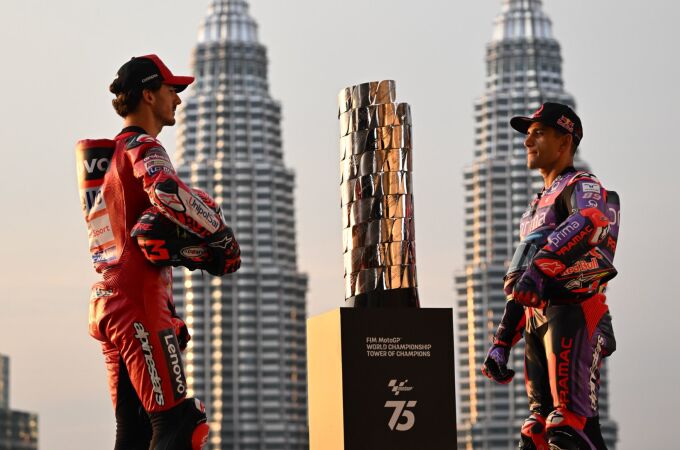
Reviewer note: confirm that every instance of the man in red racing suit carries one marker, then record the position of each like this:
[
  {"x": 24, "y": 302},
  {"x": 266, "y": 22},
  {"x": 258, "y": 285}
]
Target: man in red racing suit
[
  {"x": 131, "y": 308},
  {"x": 555, "y": 289}
]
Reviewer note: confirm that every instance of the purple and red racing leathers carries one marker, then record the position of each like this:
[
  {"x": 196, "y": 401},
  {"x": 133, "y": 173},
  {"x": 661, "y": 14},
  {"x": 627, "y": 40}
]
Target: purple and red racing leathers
[
  {"x": 131, "y": 308},
  {"x": 555, "y": 288}
]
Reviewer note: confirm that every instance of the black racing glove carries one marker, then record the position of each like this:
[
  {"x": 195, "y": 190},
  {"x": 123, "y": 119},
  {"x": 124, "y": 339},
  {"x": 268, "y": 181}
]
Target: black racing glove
[
  {"x": 495, "y": 365},
  {"x": 181, "y": 330},
  {"x": 224, "y": 251}
]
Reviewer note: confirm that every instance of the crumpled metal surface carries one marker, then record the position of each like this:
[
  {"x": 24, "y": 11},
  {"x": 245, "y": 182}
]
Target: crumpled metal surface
[
  {"x": 379, "y": 138},
  {"x": 377, "y": 161},
  {"x": 376, "y": 192},
  {"x": 371, "y": 93},
  {"x": 376, "y": 232},
  {"x": 384, "y": 278},
  {"x": 376, "y": 208},
  {"x": 399, "y": 253},
  {"x": 375, "y": 185},
  {"x": 374, "y": 116}
]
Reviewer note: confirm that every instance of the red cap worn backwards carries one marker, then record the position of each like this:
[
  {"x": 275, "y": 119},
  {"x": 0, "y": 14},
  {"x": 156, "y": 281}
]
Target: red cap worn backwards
[
  {"x": 555, "y": 115},
  {"x": 144, "y": 69}
]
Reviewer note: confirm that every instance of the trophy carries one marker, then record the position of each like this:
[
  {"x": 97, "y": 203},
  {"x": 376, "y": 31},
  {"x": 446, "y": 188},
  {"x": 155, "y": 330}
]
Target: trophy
[
  {"x": 377, "y": 197},
  {"x": 380, "y": 370}
]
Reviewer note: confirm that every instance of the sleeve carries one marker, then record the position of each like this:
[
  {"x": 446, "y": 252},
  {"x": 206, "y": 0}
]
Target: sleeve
[
  {"x": 585, "y": 228},
  {"x": 167, "y": 192},
  {"x": 511, "y": 326}
]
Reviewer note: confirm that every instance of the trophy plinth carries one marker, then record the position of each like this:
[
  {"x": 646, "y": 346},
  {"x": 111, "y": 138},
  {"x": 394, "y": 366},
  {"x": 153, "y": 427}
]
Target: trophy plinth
[{"x": 381, "y": 379}]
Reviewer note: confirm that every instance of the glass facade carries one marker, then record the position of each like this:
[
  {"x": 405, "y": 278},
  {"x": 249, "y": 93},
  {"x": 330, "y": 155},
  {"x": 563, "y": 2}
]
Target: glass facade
[
  {"x": 247, "y": 356},
  {"x": 18, "y": 430}
]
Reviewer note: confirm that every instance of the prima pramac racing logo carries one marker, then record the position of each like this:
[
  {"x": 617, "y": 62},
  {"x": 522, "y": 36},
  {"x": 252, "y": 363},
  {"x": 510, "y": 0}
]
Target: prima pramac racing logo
[{"x": 401, "y": 407}]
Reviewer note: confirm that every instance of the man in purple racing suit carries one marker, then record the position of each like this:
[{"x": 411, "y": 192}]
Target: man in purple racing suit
[{"x": 555, "y": 289}]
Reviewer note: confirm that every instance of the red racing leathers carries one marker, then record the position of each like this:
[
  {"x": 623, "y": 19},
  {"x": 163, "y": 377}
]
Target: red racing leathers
[{"x": 131, "y": 308}]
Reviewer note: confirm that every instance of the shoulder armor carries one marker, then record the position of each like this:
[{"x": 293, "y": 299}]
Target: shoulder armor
[
  {"x": 140, "y": 139},
  {"x": 583, "y": 176}
]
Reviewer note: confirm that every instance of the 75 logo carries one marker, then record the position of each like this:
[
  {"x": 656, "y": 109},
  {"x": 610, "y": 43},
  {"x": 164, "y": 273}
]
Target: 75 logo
[{"x": 401, "y": 411}]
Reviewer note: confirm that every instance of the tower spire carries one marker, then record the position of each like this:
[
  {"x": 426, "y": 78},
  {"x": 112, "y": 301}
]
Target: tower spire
[
  {"x": 228, "y": 21},
  {"x": 522, "y": 19}
]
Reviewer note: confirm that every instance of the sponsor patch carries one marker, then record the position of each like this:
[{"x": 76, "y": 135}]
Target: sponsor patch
[
  {"x": 566, "y": 123},
  {"x": 582, "y": 266},
  {"x": 105, "y": 255},
  {"x": 96, "y": 167},
  {"x": 591, "y": 187},
  {"x": 143, "y": 337},
  {"x": 99, "y": 231},
  {"x": 527, "y": 226},
  {"x": 203, "y": 214},
  {"x": 194, "y": 252},
  {"x": 156, "y": 160},
  {"x": 92, "y": 200},
  {"x": 550, "y": 267},
  {"x": 153, "y": 165},
  {"x": 173, "y": 361},
  {"x": 564, "y": 233},
  {"x": 101, "y": 293},
  {"x": 594, "y": 373},
  {"x": 170, "y": 200}
]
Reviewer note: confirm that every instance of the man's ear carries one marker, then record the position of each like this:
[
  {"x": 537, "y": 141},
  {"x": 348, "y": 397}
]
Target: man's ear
[
  {"x": 148, "y": 96},
  {"x": 566, "y": 143}
]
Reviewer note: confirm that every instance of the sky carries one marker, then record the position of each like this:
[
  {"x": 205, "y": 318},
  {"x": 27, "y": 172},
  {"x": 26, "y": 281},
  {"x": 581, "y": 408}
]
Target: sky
[{"x": 58, "y": 58}]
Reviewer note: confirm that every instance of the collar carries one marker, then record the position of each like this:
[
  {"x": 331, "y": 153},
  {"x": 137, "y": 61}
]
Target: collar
[
  {"x": 568, "y": 169},
  {"x": 132, "y": 129}
]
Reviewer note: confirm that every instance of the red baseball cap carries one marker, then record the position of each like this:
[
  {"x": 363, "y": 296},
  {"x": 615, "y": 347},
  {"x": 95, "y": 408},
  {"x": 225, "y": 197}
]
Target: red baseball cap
[{"x": 143, "y": 69}]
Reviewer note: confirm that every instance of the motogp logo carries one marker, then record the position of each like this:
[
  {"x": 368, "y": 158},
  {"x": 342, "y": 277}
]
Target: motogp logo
[{"x": 402, "y": 419}]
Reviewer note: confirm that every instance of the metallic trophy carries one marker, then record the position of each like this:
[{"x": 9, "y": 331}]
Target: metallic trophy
[{"x": 377, "y": 197}]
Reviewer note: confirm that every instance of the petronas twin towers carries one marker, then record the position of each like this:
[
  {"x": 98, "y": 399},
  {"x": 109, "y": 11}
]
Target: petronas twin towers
[{"x": 247, "y": 357}]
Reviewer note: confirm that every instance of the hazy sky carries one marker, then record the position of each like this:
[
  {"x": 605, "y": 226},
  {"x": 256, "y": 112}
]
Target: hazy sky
[{"x": 620, "y": 62}]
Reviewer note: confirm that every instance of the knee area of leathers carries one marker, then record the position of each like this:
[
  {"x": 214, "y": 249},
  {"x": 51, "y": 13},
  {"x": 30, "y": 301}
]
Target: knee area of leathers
[
  {"x": 533, "y": 433},
  {"x": 566, "y": 430}
]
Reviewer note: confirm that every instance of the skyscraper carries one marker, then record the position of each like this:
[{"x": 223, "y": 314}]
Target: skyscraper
[
  {"x": 247, "y": 357},
  {"x": 523, "y": 70},
  {"x": 18, "y": 430}
]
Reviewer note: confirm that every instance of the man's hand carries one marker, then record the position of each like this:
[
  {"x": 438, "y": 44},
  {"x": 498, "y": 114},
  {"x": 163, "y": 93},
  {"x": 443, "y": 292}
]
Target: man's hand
[
  {"x": 225, "y": 252},
  {"x": 495, "y": 365},
  {"x": 528, "y": 291},
  {"x": 182, "y": 332}
]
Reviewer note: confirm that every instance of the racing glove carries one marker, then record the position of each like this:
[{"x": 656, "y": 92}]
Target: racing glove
[
  {"x": 181, "y": 330},
  {"x": 495, "y": 366},
  {"x": 529, "y": 289},
  {"x": 182, "y": 333},
  {"x": 225, "y": 252}
]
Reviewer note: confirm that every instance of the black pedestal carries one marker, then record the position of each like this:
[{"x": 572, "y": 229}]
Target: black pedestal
[{"x": 381, "y": 379}]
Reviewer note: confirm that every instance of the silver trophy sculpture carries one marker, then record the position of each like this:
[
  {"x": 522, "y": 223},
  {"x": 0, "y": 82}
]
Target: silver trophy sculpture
[{"x": 377, "y": 197}]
